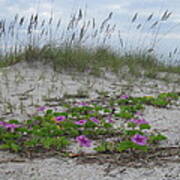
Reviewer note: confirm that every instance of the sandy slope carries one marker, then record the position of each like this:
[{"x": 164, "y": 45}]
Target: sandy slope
[{"x": 22, "y": 87}]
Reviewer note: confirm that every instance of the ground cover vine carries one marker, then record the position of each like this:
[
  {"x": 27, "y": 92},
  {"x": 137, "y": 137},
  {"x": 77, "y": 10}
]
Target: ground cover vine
[{"x": 90, "y": 124}]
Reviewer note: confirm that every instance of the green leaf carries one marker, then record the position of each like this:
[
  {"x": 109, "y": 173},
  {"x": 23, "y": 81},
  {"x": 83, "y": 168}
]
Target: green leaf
[
  {"x": 107, "y": 110},
  {"x": 15, "y": 147},
  {"x": 155, "y": 138},
  {"x": 47, "y": 142},
  {"x": 49, "y": 111},
  {"x": 144, "y": 126},
  {"x": 32, "y": 142},
  {"x": 133, "y": 132},
  {"x": 90, "y": 124},
  {"x": 72, "y": 132},
  {"x": 124, "y": 145},
  {"x": 107, "y": 125},
  {"x": 23, "y": 130},
  {"x": 61, "y": 142},
  {"x": 13, "y": 121},
  {"x": 139, "y": 147},
  {"x": 160, "y": 102},
  {"x": 105, "y": 146},
  {"x": 131, "y": 124},
  {"x": 125, "y": 115},
  {"x": 87, "y": 131},
  {"x": 4, "y": 146},
  {"x": 101, "y": 148},
  {"x": 60, "y": 114},
  {"x": 10, "y": 136}
]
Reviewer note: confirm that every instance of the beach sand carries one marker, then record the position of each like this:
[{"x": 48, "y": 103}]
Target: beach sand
[{"x": 22, "y": 87}]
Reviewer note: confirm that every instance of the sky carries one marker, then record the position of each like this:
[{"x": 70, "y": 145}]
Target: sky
[{"x": 168, "y": 38}]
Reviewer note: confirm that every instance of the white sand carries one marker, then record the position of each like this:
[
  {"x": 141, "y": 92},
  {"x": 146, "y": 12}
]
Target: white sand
[{"x": 22, "y": 87}]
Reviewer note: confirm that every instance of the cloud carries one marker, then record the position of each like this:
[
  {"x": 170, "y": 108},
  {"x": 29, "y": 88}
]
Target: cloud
[{"x": 172, "y": 36}]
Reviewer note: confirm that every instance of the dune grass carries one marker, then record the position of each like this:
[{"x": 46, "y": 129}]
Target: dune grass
[{"x": 68, "y": 51}]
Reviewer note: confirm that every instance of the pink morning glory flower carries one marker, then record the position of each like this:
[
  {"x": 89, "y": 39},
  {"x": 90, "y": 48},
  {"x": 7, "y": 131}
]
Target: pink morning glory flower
[
  {"x": 139, "y": 121},
  {"x": 60, "y": 118},
  {"x": 124, "y": 97},
  {"x": 139, "y": 139},
  {"x": 83, "y": 141},
  {"x": 11, "y": 127},
  {"x": 41, "y": 108},
  {"x": 95, "y": 120},
  {"x": 81, "y": 122},
  {"x": 2, "y": 123}
]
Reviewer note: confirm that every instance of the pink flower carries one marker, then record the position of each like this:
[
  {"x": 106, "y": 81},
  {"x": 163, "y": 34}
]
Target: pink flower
[
  {"x": 60, "y": 118},
  {"x": 95, "y": 120},
  {"x": 83, "y": 141},
  {"x": 41, "y": 108},
  {"x": 11, "y": 127},
  {"x": 124, "y": 97},
  {"x": 2, "y": 123},
  {"x": 139, "y": 121},
  {"x": 81, "y": 122},
  {"x": 139, "y": 139}
]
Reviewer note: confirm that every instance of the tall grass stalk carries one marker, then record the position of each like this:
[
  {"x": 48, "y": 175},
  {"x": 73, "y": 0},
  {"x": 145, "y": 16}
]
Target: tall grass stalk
[{"x": 83, "y": 44}]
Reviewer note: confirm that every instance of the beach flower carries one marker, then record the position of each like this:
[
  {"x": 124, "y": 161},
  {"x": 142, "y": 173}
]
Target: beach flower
[
  {"x": 124, "y": 97},
  {"x": 95, "y": 120},
  {"x": 81, "y": 122},
  {"x": 60, "y": 118},
  {"x": 139, "y": 139},
  {"x": 83, "y": 141},
  {"x": 139, "y": 121},
  {"x": 2, "y": 123},
  {"x": 41, "y": 108},
  {"x": 11, "y": 127}
]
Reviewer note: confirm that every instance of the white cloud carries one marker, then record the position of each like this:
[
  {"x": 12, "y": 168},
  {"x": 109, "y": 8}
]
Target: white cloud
[
  {"x": 176, "y": 18},
  {"x": 172, "y": 36}
]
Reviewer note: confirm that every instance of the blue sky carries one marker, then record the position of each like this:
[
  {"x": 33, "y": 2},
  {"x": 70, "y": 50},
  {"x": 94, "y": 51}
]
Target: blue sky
[{"x": 123, "y": 11}]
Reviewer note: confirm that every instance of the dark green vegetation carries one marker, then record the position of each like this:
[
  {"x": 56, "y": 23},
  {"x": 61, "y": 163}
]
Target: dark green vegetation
[
  {"x": 66, "y": 47},
  {"x": 53, "y": 131}
]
